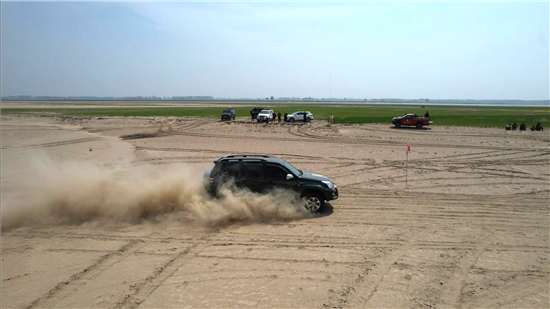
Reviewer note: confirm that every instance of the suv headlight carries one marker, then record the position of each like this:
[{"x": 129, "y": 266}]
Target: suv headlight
[{"x": 329, "y": 184}]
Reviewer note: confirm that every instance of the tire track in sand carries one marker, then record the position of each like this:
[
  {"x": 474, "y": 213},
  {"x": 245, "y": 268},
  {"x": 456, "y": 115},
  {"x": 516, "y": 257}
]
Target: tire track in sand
[
  {"x": 65, "y": 288},
  {"x": 149, "y": 285}
]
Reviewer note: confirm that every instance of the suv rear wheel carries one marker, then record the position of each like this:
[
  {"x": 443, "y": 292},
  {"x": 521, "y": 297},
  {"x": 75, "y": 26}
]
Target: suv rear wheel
[
  {"x": 419, "y": 126},
  {"x": 314, "y": 202}
]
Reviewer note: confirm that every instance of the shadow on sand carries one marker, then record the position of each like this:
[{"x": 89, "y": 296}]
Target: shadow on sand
[
  {"x": 410, "y": 128},
  {"x": 327, "y": 211}
]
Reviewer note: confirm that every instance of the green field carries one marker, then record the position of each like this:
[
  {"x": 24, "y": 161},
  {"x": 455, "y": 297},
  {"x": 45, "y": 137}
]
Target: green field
[{"x": 480, "y": 116}]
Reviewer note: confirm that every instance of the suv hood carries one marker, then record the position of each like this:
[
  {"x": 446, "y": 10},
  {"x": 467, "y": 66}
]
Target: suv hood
[{"x": 314, "y": 176}]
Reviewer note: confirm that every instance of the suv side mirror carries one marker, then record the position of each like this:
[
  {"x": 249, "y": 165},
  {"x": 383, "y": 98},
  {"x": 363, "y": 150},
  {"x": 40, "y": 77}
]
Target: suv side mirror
[{"x": 289, "y": 177}]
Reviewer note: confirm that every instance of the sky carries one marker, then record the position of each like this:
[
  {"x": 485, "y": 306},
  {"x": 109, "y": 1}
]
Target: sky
[{"x": 451, "y": 50}]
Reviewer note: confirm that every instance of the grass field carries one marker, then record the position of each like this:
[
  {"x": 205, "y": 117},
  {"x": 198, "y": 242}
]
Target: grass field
[{"x": 480, "y": 116}]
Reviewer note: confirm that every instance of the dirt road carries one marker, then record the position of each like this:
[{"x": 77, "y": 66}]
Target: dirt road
[{"x": 470, "y": 230}]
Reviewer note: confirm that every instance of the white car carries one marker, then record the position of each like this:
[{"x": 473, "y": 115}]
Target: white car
[
  {"x": 299, "y": 116},
  {"x": 265, "y": 115}
]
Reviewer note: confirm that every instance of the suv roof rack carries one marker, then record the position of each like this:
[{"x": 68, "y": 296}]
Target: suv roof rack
[{"x": 246, "y": 156}]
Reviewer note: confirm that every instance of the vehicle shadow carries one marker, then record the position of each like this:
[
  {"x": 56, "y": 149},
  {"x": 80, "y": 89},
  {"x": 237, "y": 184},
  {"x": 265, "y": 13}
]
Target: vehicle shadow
[
  {"x": 327, "y": 211},
  {"x": 410, "y": 128}
]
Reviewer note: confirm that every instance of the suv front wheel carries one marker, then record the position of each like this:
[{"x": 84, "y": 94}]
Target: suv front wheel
[{"x": 314, "y": 202}]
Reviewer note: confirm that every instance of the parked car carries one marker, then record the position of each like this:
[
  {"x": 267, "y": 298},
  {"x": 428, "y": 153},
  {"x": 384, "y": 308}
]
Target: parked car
[
  {"x": 265, "y": 115},
  {"x": 262, "y": 174},
  {"x": 411, "y": 120},
  {"x": 299, "y": 116},
  {"x": 255, "y": 111},
  {"x": 228, "y": 114}
]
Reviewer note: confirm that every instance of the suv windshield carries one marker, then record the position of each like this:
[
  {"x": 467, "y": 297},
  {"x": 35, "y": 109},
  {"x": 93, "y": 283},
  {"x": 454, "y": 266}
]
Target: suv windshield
[
  {"x": 227, "y": 111},
  {"x": 291, "y": 168}
]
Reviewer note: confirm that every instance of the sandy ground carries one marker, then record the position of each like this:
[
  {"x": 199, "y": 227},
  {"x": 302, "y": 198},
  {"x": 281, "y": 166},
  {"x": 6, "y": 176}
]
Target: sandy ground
[{"x": 127, "y": 225}]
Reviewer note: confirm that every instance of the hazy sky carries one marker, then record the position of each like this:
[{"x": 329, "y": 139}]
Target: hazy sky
[{"x": 374, "y": 50}]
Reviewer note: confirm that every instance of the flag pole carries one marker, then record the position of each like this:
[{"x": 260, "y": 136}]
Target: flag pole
[{"x": 407, "y": 168}]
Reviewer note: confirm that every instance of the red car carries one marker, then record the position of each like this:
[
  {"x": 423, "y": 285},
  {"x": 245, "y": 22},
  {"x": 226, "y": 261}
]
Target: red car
[{"x": 411, "y": 120}]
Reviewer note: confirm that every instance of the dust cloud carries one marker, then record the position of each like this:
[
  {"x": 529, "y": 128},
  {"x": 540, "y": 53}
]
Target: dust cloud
[{"x": 81, "y": 192}]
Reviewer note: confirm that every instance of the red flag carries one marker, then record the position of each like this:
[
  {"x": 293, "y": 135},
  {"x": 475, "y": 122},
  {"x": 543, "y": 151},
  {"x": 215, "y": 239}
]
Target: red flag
[{"x": 408, "y": 148}]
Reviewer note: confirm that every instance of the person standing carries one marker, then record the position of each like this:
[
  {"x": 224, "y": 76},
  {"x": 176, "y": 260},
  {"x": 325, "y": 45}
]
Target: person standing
[
  {"x": 427, "y": 114},
  {"x": 286, "y": 117},
  {"x": 305, "y": 118},
  {"x": 279, "y": 117}
]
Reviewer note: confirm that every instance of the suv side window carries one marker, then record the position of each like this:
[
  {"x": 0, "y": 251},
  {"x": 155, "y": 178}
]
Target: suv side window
[
  {"x": 275, "y": 172},
  {"x": 230, "y": 169},
  {"x": 253, "y": 170}
]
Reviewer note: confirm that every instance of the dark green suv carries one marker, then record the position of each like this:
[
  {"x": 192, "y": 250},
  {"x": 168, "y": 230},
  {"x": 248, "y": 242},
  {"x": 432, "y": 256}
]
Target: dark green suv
[
  {"x": 228, "y": 114},
  {"x": 262, "y": 174}
]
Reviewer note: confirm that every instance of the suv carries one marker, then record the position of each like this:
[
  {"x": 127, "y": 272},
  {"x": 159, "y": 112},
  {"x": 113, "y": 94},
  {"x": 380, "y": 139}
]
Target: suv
[
  {"x": 228, "y": 114},
  {"x": 299, "y": 116},
  {"x": 255, "y": 111},
  {"x": 411, "y": 120},
  {"x": 262, "y": 173},
  {"x": 266, "y": 115}
]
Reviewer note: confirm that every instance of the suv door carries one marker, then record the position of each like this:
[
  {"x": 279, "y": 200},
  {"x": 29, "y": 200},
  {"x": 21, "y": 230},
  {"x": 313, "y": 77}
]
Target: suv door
[
  {"x": 276, "y": 177},
  {"x": 253, "y": 176},
  {"x": 228, "y": 172}
]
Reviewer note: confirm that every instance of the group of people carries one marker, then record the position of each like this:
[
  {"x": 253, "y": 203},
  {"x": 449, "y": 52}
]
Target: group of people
[
  {"x": 523, "y": 127},
  {"x": 278, "y": 116}
]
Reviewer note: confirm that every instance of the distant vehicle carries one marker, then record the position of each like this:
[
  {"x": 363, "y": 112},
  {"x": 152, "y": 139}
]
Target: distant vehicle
[
  {"x": 261, "y": 174},
  {"x": 228, "y": 114},
  {"x": 255, "y": 111},
  {"x": 411, "y": 120},
  {"x": 299, "y": 116},
  {"x": 266, "y": 115}
]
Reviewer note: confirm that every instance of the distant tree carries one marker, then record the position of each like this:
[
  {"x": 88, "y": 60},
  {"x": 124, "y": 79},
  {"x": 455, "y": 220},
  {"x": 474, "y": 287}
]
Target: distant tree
[{"x": 271, "y": 98}]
